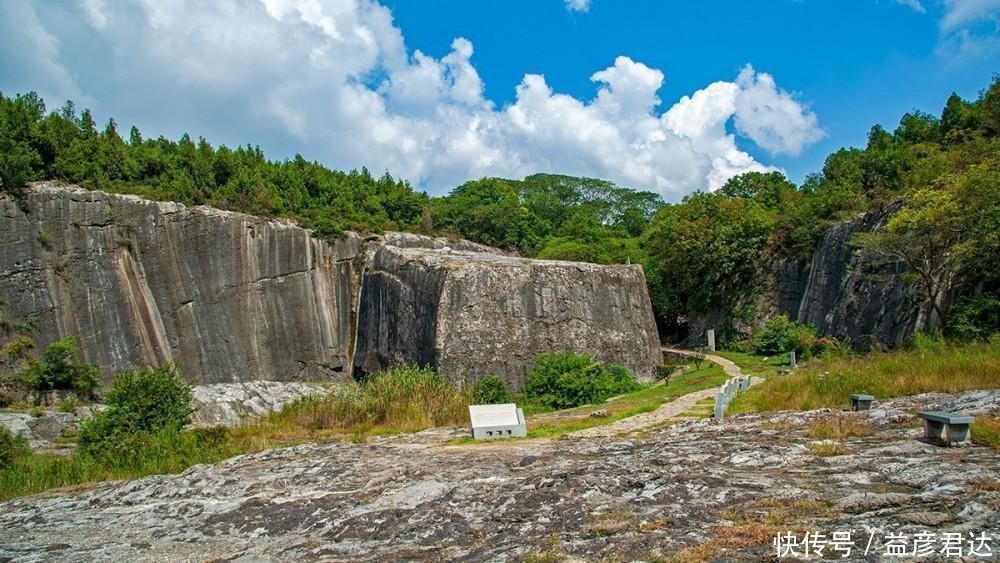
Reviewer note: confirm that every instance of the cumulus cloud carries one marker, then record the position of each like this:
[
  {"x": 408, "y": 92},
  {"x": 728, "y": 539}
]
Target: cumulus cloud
[
  {"x": 334, "y": 81},
  {"x": 915, "y": 5},
  {"x": 578, "y": 5}
]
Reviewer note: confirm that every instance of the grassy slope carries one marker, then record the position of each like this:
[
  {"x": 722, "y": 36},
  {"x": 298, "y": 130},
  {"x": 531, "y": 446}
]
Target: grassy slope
[{"x": 829, "y": 382}]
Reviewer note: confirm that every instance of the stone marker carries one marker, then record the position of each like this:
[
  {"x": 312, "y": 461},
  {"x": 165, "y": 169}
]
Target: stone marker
[
  {"x": 710, "y": 335},
  {"x": 791, "y": 359},
  {"x": 945, "y": 428},
  {"x": 861, "y": 402},
  {"x": 497, "y": 421}
]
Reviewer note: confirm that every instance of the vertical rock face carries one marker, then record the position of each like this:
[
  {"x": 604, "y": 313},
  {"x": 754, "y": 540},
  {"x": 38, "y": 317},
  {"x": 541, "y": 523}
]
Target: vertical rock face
[
  {"x": 229, "y": 297},
  {"x": 234, "y": 298},
  {"x": 469, "y": 314},
  {"x": 854, "y": 296},
  {"x": 844, "y": 292}
]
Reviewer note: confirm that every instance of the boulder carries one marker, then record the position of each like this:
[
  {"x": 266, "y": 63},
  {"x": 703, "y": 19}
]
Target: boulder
[{"x": 469, "y": 314}]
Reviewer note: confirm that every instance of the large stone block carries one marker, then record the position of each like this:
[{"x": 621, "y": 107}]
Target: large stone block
[{"x": 469, "y": 314}]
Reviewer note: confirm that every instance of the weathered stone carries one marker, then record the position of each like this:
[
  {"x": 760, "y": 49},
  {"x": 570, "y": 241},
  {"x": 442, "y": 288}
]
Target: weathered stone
[
  {"x": 229, "y": 404},
  {"x": 411, "y": 497},
  {"x": 228, "y": 296},
  {"x": 233, "y": 298},
  {"x": 468, "y": 314}
]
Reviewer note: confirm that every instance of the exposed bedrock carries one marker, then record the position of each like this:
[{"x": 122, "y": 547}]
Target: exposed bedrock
[
  {"x": 229, "y": 297},
  {"x": 468, "y": 314},
  {"x": 233, "y": 298}
]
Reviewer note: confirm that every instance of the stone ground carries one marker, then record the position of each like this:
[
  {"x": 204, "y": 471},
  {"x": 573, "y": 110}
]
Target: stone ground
[{"x": 697, "y": 490}]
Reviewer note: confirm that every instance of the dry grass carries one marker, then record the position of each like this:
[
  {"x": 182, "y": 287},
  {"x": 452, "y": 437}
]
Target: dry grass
[
  {"x": 755, "y": 524},
  {"x": 986, "y": 431},
  {"x": 828, "y": 448},
  {"x": 401, "y": 399},
  {"x": 839, "y": 426},
  {"x": 935, "y": 366}
]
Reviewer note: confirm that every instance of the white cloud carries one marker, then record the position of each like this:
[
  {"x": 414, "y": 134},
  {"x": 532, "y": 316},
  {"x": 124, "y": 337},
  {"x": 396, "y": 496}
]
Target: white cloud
[
  {"x": 915, "y": 5},
  {"x": 332, "y": 79},
  {"x": 962, "y": 13},
  {"x": 970, "y": 30},
  {"x": 578, "y": 5}
]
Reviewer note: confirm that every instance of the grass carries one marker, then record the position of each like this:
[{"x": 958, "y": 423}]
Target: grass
[
  {"x": 939, "y": 367},
  {"x": 839, "y": 426},
  {"x": 637, "y": 402},
  {"x": 828, "y": 448},
  {"x": 754, "y": 525},
  {"x": 401, "y": 399},
  {"x": 758, "y": 366},
  {"x": 165, "y": 453},
  {"x": 986, "y": 431}
]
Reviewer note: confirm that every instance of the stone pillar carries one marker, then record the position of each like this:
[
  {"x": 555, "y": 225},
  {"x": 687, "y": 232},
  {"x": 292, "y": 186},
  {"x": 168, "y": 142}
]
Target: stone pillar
[
  {"x": 791, "y": 359},
  {"x": 710, "y": 335}
]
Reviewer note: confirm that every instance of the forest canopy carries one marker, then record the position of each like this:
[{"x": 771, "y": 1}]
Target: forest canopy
[{"x": 943, "y": 171}]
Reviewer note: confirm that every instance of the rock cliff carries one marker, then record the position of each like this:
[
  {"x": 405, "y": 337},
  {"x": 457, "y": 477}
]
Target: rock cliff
[
  {"x": 233, "y": 297},
  {"x": 227, "y": 296},
  {"x": 473, "y": 313},
  {"x": 845, "y": 292}
]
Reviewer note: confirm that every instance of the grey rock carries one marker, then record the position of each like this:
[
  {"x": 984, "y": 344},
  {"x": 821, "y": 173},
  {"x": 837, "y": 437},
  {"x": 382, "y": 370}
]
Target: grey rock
[
  {"x": 229, "y": 404},
  {"x": 229, "y": 297},
  {"x": 412, "y": 497},
  {"x": 19, "y": 424},
  {"x": 232, "y": 298},
  {"x": 469, "y": 314}
]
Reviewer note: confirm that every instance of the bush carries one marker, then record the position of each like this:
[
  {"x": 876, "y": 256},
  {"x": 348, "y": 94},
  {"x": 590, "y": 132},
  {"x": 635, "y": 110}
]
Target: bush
[
  {"x": 491, "y": 390},
  {"x": 60, "y": 370},
  {"x": 11, "y": 447},
  {"x": 563, "y": 380},
  {"x": 782, "y": 335},
  {"x": 141, "y": 401},
  {"x": 975, "y": 318}
]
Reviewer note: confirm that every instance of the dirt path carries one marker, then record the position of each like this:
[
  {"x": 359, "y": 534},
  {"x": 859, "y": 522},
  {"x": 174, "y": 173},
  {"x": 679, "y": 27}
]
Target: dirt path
[
  {"x": 731, "y": 369},
  {"x": 667, "y": 411}
]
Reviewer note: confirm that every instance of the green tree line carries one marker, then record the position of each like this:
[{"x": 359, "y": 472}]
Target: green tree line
[{"x": 698, "y": 254}]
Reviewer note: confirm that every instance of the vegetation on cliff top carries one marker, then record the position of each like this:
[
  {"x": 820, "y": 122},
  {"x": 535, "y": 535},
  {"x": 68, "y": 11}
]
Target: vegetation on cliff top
[{"x": 706, "y": 252}]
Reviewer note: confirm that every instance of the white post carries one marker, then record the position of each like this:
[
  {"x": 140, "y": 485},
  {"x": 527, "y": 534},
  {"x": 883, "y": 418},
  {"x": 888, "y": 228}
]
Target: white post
[
  {"x": 791, "y": 358},
  {"x": 710, "y": 335}
]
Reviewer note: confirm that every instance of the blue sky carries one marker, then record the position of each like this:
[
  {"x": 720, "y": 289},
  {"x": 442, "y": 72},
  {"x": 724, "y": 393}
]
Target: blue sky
[{"x": 666, "y": 96}]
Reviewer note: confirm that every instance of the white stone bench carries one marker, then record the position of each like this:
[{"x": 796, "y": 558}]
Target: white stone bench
[
  {"x": 946, "y": 427},
  {"x": 490, "y": 422}
]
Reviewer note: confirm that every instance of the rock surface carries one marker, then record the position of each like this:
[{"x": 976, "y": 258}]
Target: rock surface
[
  {"x": 719, "y": 490},
  {"x": 229, "y": 297},
  {"x": 229, "y": 404},
  {"x": 469, "y": 314},
  {"x": 233, "y": 298}
]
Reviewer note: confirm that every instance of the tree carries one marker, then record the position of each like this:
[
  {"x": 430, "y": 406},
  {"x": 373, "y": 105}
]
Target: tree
[{"x": 926, "y": 235}]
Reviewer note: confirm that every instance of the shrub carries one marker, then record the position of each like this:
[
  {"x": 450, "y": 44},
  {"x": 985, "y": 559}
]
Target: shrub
[
  {"x": 11, "y": 447},
  {"x": 563, "y": 380},
  {"x": 491, "y": 390},
  {"x": 782, "y": 335},
  {"x": 975, "y": 318},
  {"x": 141, "y": 401},
  {"x": 60, "y": 370}
]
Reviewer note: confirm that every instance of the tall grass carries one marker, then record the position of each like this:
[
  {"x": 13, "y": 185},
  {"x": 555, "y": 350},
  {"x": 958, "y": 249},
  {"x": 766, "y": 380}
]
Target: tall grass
[
  {"x": 926, "y": 367},
  {"x": 165, "y": 452},
  {"x": 401, "y": 399}
]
